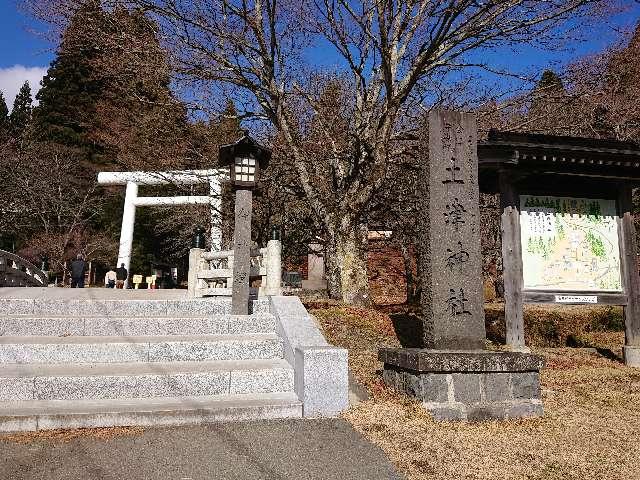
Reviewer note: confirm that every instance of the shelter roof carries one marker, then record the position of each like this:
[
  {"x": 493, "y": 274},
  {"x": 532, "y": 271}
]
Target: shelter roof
[{"x": 525, "y": 154}]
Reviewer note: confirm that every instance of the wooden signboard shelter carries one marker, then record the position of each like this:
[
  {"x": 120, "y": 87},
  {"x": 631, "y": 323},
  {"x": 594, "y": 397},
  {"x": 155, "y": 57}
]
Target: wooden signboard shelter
[{"x": 551, "y": 171}]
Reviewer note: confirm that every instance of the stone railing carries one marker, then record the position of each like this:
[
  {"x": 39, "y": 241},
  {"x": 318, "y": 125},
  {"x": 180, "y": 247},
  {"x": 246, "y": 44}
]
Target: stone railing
[
  {"x": 211, "y": 273},
  {"x": 15, "y": 271}
]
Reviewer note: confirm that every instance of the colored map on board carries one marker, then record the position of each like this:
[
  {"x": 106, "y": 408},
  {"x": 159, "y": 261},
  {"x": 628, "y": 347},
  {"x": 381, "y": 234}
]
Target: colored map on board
[{"x": 569, "y": 244}]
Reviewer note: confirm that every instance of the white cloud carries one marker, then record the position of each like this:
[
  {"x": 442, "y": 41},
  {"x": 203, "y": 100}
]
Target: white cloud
[{"x": 12, "y": 78}]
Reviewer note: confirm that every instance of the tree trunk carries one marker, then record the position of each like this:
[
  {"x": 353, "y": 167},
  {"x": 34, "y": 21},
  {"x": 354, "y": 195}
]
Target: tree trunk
[
  {"x": 411, "y": 286},
  {"x": 347, "y": 264}
]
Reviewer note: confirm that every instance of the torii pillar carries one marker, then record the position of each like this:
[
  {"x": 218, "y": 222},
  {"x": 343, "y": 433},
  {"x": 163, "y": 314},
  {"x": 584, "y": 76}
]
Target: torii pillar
[{"x": 131, "y": 200}]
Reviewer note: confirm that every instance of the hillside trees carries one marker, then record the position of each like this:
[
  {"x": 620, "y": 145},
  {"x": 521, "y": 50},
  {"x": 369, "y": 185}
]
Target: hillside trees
[
  {"x": 49, "y": 203},
  {"x": 596, "y": 96},
  {"x": 105, "y": 102}
]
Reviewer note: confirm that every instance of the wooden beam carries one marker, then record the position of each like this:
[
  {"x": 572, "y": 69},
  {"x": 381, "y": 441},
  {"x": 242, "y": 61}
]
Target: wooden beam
[
  {"x": 511, "y": 261},
  {"x": 629, "y": 266}
]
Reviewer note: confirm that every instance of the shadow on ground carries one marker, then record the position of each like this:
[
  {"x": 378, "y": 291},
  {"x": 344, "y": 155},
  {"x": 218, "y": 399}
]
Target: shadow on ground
[{"x": 408, "y": 329}]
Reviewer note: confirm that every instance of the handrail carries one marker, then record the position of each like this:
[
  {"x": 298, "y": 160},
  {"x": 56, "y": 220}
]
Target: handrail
[
  {"x": 209, "y": 273},
  {"x": 223, "y": 254},
  {"x": 24, "y": 271}
]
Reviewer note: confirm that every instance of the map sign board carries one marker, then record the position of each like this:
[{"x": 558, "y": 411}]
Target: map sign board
[{"x": 569, "y": 244}]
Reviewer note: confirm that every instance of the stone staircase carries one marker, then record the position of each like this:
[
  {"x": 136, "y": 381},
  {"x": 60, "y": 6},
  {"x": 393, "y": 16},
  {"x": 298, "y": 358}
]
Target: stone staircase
[{"x": 72, "y": 364}]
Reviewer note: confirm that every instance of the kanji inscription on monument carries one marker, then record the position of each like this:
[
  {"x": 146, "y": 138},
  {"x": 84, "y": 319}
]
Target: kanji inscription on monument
[{"x": 452, "y": 301}]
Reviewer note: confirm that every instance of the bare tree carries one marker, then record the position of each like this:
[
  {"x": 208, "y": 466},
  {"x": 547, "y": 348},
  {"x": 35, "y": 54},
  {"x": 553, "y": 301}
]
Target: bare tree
[
  {"x": 49, "y": 203},
  {"x": 389, "y": 54},
  {"x": 393, "y": 58}
]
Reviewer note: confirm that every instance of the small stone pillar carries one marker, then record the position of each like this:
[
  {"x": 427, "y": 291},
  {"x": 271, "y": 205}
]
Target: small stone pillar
[
  {"x": 241, "y": 252},
  {"x": 195, "y": 260},
  {"x": 453, "y": 375},
  {"x": 316, "y": 279},
  {"x": 273, "y": 264}
]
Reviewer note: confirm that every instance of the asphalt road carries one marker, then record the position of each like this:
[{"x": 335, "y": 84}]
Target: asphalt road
[{"x": 286, "y": 449}]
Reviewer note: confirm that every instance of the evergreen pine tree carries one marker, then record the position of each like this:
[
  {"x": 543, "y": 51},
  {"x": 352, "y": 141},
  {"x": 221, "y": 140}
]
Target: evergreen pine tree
[
  {"x": 70, "y": 90},
  {"x": 5, "y": 126},
  {"x": 549, "y": 103},
  {"x": 21, "y": 113},
  {"x": 229, "y": 126},
  {"x": 548, "y": 91}
]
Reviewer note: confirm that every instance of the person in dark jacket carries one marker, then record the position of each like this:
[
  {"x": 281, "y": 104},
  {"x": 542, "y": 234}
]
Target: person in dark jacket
[
  {"x": 78, "y": 269},
  {"x": 121, "y": 276}
]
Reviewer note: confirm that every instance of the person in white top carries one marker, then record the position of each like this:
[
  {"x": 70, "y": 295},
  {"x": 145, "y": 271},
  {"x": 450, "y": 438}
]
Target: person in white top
[{"x": 110, "y": 279}]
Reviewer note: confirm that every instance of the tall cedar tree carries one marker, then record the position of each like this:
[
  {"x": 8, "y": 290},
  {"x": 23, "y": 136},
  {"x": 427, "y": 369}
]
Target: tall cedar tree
[
  {"x": 106, "y": 102},
  {"x": 143, "y": 127},
  {"x": 21, "y": 113},
  {"x": 138, "y": 117},
  {"x": 71, "y": 88}
]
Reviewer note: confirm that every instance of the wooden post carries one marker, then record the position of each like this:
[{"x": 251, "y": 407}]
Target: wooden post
[
  {"x": 511, "y": 263},
  {"x": 630, "y": 278}
]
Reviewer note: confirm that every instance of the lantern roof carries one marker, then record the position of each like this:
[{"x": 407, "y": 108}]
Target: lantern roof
[{"x": 245, "y": 146}]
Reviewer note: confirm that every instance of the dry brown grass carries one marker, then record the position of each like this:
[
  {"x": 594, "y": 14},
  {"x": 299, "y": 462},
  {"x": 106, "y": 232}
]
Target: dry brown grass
[
  {"x": 67, "y": 435},
  {"x": 591, "y": 427}
]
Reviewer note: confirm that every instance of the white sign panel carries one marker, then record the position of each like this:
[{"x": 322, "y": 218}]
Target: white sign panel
[
  {"x": 576, "y": 299},
  {"x": 569, "y": 244}
]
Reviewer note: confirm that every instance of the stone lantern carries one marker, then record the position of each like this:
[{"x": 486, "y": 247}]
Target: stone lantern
[{"x": 245, "y": 158}]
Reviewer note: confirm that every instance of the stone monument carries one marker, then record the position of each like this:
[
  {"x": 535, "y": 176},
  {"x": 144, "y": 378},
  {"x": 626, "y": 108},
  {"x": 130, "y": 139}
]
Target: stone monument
[{"x": 453, "y": 375}]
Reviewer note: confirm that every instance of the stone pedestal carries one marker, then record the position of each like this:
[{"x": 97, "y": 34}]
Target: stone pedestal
[
  {"x": 467, "y": 385},
  {"x": 453, "y": 376}
]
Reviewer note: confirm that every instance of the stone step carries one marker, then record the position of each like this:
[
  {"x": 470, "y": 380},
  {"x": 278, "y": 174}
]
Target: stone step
[
  {"x": 121, "y": 308},
  {"x": 50, "y": 414},
  {"x": 140, "y": 380},
  {"x": 60, "y": 326},
  {"x": 88, "y": 349}
]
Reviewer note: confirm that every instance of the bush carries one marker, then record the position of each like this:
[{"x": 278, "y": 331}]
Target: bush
[
  {"x": 555, "y": 325},
  {"x": 609, "y": 319}
]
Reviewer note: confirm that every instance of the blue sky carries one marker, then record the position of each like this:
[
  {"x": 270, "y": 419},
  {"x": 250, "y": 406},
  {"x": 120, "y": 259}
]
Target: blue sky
[
  {"x": 23, "y": 55},
  {"x": 26, "y": 56}
]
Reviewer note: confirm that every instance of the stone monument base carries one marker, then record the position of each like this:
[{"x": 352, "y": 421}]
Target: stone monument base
[{"x": 467, "y": 385}]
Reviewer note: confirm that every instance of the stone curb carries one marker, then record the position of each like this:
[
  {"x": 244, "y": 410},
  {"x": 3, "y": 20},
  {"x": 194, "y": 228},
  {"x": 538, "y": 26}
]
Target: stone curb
[{"x": 321, "y": 370}]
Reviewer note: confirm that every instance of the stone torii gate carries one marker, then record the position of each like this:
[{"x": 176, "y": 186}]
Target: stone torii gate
[{"x": 132, "y": 180}]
